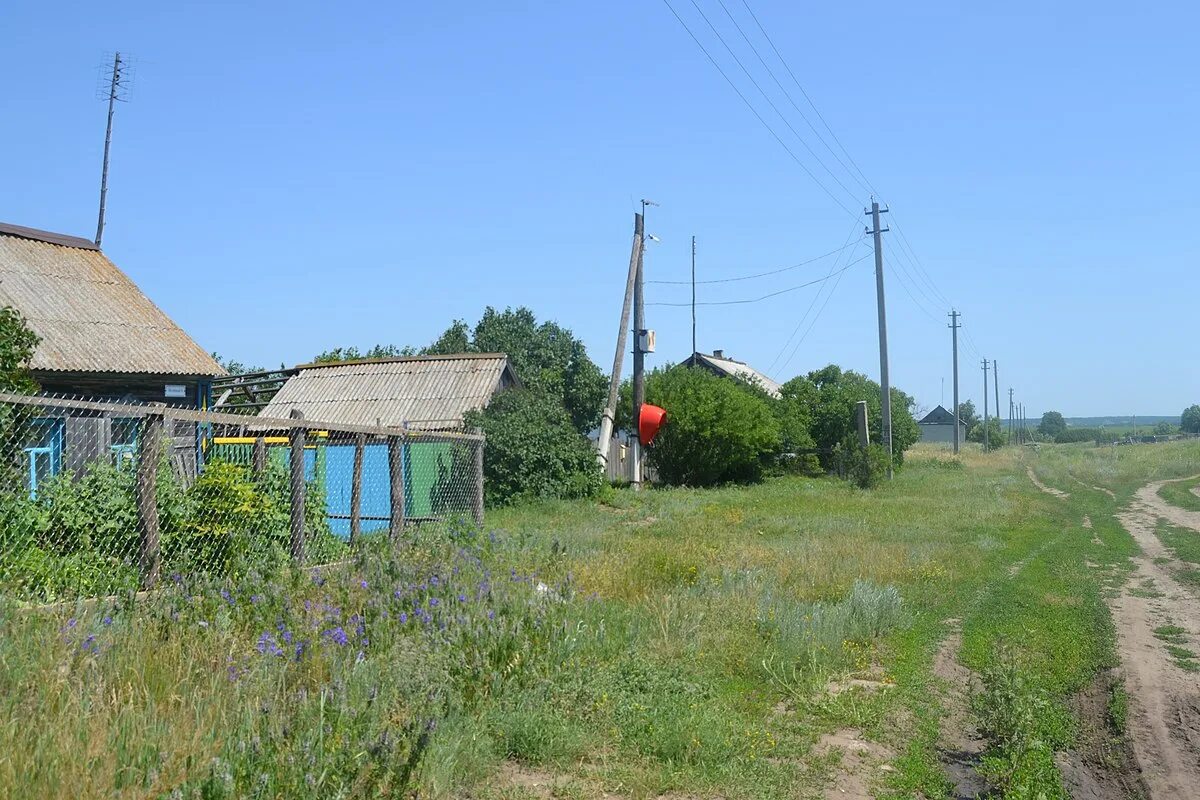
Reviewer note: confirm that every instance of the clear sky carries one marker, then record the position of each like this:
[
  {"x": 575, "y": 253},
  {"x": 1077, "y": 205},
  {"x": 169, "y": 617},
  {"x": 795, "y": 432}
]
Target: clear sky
[{"x": 291, "y": 177}]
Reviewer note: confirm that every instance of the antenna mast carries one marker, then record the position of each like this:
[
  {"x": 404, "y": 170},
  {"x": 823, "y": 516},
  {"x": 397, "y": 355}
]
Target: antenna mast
[{"x": 114, "y": 90}]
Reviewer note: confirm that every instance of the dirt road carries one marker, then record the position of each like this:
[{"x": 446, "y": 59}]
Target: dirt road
[{"x": 1164, "y": 697}]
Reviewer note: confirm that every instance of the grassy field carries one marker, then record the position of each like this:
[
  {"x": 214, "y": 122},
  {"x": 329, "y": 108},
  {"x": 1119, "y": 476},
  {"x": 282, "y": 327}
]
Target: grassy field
[{"x": 669, "y": 643}]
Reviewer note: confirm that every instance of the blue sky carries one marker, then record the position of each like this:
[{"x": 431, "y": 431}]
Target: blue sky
[{"x": 292, "y": 177}]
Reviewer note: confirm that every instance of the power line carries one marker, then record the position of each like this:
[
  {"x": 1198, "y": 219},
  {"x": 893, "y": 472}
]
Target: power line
[
  {"x": 813, "y": 302},
  {"x": 816, "y": 317},
  {"x": 760, "y": 274},
  {"x": 758, "y": 116},
  {"x": 767, "y": 296},
  {"x": 788, "y": 95},
  {"x": 811, "y": 104}
]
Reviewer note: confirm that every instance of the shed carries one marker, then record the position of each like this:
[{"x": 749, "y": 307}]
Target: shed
[
  {"x": 938, "y": 426},
  {"x": 421, "y": 393},
  {"x": 720, "y": 364},
  {"x": 101, "y": 338}
]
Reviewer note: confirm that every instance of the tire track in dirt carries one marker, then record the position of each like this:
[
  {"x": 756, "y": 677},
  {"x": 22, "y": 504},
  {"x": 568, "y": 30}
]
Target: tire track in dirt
[
  {"x": 1059, "y": 493},
  {"x": 1164, "y": 700}
]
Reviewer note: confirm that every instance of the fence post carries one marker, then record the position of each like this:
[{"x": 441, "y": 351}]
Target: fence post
[
  {"x": 296, "y": 443},
  {"x": 148, "y": 455},
  {"x": 396, "y": 478},
  {"x": 360, "y": 442},
  {"x": 260, "y": 455},
  {"x": 477, "y": 505}
]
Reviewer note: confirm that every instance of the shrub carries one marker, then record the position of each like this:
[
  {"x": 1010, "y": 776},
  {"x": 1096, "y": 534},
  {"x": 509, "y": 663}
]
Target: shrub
[
  {"x": 717, "y": 431},
  {"x": 834, "y": 395},
  {"x": 867, "y": 468},
  {"x": 1069, "y": 435},
  {"x": 533, "y": 450}
]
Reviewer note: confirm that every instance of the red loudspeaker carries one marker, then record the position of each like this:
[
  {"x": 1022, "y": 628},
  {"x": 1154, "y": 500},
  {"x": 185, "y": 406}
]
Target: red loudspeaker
[{"x": 650, "y": 420}]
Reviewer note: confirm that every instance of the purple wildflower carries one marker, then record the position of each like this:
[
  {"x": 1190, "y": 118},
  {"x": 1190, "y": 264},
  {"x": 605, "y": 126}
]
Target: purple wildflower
[
  {"x": 433, "y": 602},
  {"x": 106, "y": 621},
  {"x": 256, "y": 598},
  {"x": 88, "y": 645},
  {"x": 267, "y": 644},
  {"x": 363, "y": 583},
  {"x": 403, "y": 617},
  {"x": 462, "y": 598},
  {"x": 491, "y": 614},
  {"x": 226, "y": 596},
  {"x": 337, "y": 635}
]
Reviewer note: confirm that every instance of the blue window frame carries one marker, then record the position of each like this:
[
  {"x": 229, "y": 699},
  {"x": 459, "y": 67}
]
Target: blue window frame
[
  {"x": 43, "y": 451},
  {"x": 124, "y": 439}
]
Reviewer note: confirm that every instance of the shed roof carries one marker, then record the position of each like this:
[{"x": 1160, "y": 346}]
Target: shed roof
[
  {"x": 939, "y": 416},
  {"x": 734, "y": 369},
  {"x": 90, "y": 316},
  {"x": 427, "y": 392}
]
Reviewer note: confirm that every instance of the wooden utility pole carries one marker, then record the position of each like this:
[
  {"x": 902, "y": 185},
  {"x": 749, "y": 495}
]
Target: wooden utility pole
[
  {"x": 884, "y": 379},
  {"x": 985, "y": 406},
  {"x": 694, "y": 296},
  {"x": 614, "y": 381},
  {"x": 954, "y": 326}
]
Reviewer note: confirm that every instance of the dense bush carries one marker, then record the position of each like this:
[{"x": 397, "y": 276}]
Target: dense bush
[
  {"x": 1069, "y": 435},
  {"x": 834, "y": 394},
  {"x": 866, "y": 468},
  {"x": 996, "y": 436},
  {"x": 81, "y": 534},
  {"x": 717, "y": 430},
  {"x": 1189, "y": 420},
  {"x": 533, "y": 450}
]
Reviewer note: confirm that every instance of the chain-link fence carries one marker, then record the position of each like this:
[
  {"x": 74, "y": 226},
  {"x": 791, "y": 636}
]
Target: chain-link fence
[{"x": 99, "y": 497}]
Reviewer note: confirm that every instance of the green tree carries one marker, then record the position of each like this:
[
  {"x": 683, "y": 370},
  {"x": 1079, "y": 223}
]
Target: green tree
[
  {"x": 1052, "y": 424},
  {"x": 717, "y": 431},
  {"x": 996, "y": 434},
  {"x": 17, "y": 343},
  {"x": 835, "y": 394},
  {"x": 533, "y": 450},
  {"x": 354, "y": 354},
  {"x": 1189, "y": 421},
  {"x": 968, "y": 415},
  {"x": 1164, "y": 428}
]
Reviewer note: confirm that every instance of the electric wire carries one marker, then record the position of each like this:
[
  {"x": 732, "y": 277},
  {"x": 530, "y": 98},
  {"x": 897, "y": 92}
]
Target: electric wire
[
  {"x": 758, "y": 274},
  {"x": 811, "y": 104},
  {"x": 749, "y": 300},
  {"x": 758, "y": 116},
  {"x": 815, "y": 319},
  {"x": 791, "y": 100},
  {"x": 813, "y": 302}
]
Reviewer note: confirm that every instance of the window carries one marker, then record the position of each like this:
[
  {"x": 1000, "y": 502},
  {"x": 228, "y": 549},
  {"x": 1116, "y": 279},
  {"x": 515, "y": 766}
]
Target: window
[
  {"x": 43, "y": 451},
  {"x": 123, "y": 442}
]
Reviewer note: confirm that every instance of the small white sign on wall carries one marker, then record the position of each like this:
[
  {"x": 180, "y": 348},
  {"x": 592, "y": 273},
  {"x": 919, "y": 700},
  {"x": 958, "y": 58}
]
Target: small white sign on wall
[{"x": 176, "y": 390}]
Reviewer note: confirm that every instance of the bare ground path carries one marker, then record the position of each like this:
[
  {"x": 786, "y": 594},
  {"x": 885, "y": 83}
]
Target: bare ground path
[{"x": 1164, "y": 698}]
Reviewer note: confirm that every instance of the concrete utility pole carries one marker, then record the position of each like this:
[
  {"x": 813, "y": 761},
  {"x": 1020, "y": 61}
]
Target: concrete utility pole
[
  {"x": 1010, "y": 414},
  {"x": 884, "y": 380},
  {"x": 954, "y": 326},
  {"x": 614, "y": 381},
  {"x": 985, "y": 406},
  {"x": 996, "y": 387},
  {"x": 113, "y": 90},
  {"x": 639, "y": 354}
]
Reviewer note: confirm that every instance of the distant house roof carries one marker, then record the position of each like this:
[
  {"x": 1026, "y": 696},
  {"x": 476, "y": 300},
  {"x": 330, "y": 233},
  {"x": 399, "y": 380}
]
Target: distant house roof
[
  {"x": 424, "y": 392},
  {"x": 719, "y": 363},
  {"x": 939, "y": 416},
  {"x": 90, "y": 316}
]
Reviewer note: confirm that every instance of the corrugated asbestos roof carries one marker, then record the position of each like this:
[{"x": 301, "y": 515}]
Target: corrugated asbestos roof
[
  {"x": 738, "y": 369},
  {"x": 90, "y": 316},
  {"x": 426, "y": 392}
]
